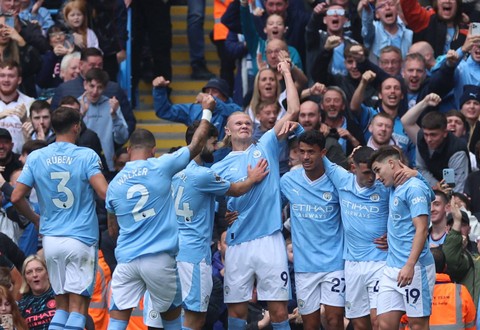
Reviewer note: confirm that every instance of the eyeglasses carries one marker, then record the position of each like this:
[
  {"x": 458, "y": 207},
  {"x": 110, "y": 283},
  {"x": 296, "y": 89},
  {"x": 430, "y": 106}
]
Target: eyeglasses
[
  {"x": 385, "y": 4},
  {"x": 339, "y": 12},
  {"x": 56, "y": 34}
]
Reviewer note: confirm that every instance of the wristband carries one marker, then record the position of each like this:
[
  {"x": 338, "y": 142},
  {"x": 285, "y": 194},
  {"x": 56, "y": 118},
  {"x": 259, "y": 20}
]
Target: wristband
[{"x": 207, "y": 114}]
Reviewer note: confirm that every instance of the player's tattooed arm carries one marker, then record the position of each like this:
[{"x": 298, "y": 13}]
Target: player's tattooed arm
[{"x": 113, "y": 228}]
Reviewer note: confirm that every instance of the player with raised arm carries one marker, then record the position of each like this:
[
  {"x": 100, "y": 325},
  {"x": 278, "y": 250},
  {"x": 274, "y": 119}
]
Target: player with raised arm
[
  {"x": 65, "y": 177},
  {"x": 256, "y": 248},
  {"x": 409, "y": 275},
  {"x": 195, "y": 189},
  {"x": 141, "y": 213}
]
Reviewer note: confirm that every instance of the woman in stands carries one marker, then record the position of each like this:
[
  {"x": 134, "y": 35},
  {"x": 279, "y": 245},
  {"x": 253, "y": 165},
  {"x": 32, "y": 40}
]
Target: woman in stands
[
  {"x": 38, "y": 302},
  {"x": 266, "y": 88}
]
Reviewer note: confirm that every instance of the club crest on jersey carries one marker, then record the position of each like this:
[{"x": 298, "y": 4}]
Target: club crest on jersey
[
  {"x": 375, "y": 197},
  {"x": 301, "y": 303},
  {"x": 257, "y": 154},
  {"x": 227, "y": 290},
  {"x": 51, "y": 303},
  {"x": 153, "y": 315},
  {"x": 395, "y": 201},
  {"x": 327, "y": 196}
]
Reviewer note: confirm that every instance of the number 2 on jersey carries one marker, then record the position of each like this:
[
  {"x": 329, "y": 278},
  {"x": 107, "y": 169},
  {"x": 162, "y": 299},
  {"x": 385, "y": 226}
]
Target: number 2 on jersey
[
  {"x": 186, "y": 213},
  {"x": 137, "y": 212},
  {"x": 62, "y": 188}
]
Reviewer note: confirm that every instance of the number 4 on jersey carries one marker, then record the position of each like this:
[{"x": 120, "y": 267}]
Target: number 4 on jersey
[{"x": 186, "y": 213}]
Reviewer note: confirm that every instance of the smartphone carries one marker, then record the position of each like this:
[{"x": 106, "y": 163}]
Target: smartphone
[
  {"x": 67, "y": 44},
  {"x": 10, "y": 21},
  {"x": 449, "y": 177},
  {"x": 6, "y": 321},
  {"x": 475, "y": 29}
]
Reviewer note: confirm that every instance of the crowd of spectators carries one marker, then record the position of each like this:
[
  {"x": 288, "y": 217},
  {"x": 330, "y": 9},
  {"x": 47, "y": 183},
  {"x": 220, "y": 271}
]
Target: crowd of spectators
[{"x": 370, "y": 73}]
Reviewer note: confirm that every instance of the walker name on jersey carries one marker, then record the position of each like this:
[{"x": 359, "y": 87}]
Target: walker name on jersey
[
  {"x": 143, "y": 171},
  {"x": 59, "y": 160},
  {"x": 359, "y": 209},
  {"x": 310, "y": 211}
]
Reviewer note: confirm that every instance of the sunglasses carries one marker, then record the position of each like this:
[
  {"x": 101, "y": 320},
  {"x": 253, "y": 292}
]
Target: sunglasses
[{"x": 339, "y": 12}]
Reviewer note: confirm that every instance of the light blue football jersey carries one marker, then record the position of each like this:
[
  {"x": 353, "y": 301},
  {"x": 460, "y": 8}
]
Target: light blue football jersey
[
  {"x": 259, "y": 210},
  {"x": 364, "y": 213},
  {"x": 195, "y": 189},
  {"x": 60, "y": 174},
  {"x": 141, "y": 198},
  {"x": 317, "y": 232},
  {"x": 407, "y": 201}
]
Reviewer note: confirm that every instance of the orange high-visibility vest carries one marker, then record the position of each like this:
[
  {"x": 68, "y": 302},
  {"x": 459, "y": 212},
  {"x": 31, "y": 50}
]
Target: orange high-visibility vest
[
  {"x": 136, "y": 319},
  {"x": 98, "y": 308},
  {"x": 220, "y": 31},
  {"x": 452, "y": 306}
]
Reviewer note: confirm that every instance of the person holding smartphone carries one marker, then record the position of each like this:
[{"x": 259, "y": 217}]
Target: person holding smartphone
[
  {"x": 10, "y": 317},
  {"x": 437, "y": 148}
]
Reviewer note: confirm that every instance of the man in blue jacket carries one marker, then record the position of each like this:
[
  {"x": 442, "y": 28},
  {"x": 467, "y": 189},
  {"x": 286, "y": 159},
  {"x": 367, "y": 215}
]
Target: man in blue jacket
[{"x": 187, "y": 113}]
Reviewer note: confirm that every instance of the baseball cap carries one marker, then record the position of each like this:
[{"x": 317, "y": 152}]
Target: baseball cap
[
  {"x": 4, "y": 133},
  {"x": 219, "y": 84},
  {"x": 470, "y": 92}
]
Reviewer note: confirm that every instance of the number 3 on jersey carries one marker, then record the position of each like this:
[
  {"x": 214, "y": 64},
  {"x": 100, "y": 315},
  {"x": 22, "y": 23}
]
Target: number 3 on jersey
[
  {"x": 186, "y": 213},
  {"x": 137, "y": 212},
  {"x": 62, "y": 188}
]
